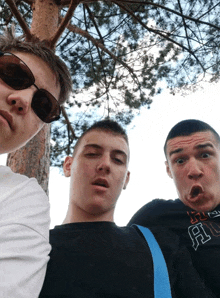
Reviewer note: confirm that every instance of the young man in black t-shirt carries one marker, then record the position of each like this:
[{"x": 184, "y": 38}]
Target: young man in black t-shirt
[
  {"x": 192, "y": 150},
  {"x": 91, "y": 256}
]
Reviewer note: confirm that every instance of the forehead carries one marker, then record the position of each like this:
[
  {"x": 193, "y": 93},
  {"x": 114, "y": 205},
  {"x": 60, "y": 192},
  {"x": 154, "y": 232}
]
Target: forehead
[
  {"x": 44, "y": 76},
  {"x": 105, "y": 139},
  {"x": 191, "y": 142}
]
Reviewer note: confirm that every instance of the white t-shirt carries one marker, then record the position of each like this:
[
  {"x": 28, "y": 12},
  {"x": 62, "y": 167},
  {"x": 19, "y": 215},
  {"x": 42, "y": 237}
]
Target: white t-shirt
[{"x": 24, "y": 235}]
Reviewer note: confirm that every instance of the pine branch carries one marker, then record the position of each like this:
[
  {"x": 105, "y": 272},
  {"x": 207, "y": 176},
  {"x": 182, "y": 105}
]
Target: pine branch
[
  {"x": 65, "y": 21},
  {"x": 19, "y": 18},
  {"x": 197, "y": 20},
  {"x": 98, "y": 44},
  {"x": 165, "y": 36},
  {"x": 67, "y": 2},
  {"x": 100, "y": 38},
  {"x": 185, "y": 26},
  {"x": 94, "y": 23},
  {"x": 68, "y": 122},
  {"x": 208, "y": 11}
]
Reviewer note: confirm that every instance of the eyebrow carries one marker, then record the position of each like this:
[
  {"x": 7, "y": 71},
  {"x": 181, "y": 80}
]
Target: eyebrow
[
  {"x": 93, "y": 145},
  {"x": 100, "y": 147},
  {"x": 175, "y": 151},
  {"x": 200, "y": 146}
]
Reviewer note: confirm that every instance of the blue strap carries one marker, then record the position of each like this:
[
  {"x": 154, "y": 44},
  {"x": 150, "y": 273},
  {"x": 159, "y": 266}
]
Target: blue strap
[{"x": 161, "y": 277}]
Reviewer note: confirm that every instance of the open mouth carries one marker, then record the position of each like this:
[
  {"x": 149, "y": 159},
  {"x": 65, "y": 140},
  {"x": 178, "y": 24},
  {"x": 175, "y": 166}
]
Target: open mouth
[
  {"x": 195, "y": 191},
  {"x": 101, "y": 182}
]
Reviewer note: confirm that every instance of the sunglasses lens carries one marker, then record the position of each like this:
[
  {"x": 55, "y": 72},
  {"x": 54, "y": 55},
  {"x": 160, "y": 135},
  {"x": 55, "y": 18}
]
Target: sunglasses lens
[
  {"x": 45, "y": 106},
  {"x": 15, "y": 73}
]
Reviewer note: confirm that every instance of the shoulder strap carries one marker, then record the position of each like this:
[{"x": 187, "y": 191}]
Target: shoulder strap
[{"x": 161, "y": 277}]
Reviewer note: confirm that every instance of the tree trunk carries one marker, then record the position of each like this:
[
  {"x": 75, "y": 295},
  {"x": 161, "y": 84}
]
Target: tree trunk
[
  {"x": 33, "y": 160},
  {"x": 45, "y": 19}
]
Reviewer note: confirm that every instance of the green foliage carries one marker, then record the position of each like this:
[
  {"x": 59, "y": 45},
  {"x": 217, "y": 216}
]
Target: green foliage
[{"x": 165, "y": 43}]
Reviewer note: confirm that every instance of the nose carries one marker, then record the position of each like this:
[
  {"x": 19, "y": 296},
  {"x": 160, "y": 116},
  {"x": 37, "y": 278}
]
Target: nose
[
  {"x": 195, "y": 171},
  {"x": 104, "y": 165},
  {"x": 20, "y": 100}
]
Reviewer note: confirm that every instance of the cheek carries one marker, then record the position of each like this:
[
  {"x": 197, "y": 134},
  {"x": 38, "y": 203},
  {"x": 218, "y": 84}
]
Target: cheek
[
  {"x": 214, "y": 173},
  {"x": 88, "y": 168},
  {"x": 83, "y": 170},
  {"x": 35, "y": 127},
  {"x": 121, "y": 178},
  {"x": 179, "y": 178},
  {"x": 212, "y": 169}
]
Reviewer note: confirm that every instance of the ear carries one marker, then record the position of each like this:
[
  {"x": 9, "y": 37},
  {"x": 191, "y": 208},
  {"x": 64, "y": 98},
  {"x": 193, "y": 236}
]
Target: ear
[
  {"x": 168, "y": 170},
  {"x": 67, "y": 166},
  {"x": 126, "y": 180}
]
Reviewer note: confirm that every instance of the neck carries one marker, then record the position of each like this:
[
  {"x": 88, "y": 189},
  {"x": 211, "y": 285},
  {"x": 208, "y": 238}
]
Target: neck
[{"x": 76, "y": 214}]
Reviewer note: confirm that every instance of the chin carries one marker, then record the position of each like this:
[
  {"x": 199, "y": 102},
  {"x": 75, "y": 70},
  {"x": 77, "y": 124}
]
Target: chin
[
  {"x": 99, "y": 209},
  {"x": 96, "y": 209},
  {"x": 206, "y": 207}
]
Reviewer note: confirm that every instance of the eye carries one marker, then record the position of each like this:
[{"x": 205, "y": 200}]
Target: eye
[
  {"x": 119, "y": 161},
  {"x": 180, "y": 161},
  {"x": 91, "y": 154},
  {"x": 205, "y": 155}
]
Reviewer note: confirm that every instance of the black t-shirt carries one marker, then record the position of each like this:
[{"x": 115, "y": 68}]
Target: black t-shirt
[
  {"x": 198, "y": 231},
  {"x": 101, "y": 260}
]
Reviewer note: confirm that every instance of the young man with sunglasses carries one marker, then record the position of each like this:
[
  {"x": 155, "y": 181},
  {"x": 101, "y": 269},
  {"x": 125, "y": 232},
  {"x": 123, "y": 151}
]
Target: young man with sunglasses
[{"x": 33, "y": 84}]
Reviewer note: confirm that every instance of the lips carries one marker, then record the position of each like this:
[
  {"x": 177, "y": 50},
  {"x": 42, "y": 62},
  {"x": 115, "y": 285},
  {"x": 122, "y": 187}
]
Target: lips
[
  {"x": 101, "y": 182},
  {"x": 8, "y": 117},
  {"x": 196, "y": 190}
]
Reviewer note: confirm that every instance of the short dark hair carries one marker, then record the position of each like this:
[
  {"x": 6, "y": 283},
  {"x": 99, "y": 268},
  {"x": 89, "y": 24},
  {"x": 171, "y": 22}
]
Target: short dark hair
[
  {"x": 9, "y": 42},
  {"x": 106, "y": 125},
  {"x": 188, "y": 127}
]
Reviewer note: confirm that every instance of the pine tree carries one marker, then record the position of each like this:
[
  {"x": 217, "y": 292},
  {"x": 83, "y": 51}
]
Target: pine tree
[{"x": 121, "y": 53}]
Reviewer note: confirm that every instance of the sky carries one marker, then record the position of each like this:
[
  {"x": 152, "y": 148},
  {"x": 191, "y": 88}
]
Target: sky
[{"x": 147, "y": 134}]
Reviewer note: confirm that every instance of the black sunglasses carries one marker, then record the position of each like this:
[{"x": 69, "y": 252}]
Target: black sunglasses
[{"x": 17, "y": 75}]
